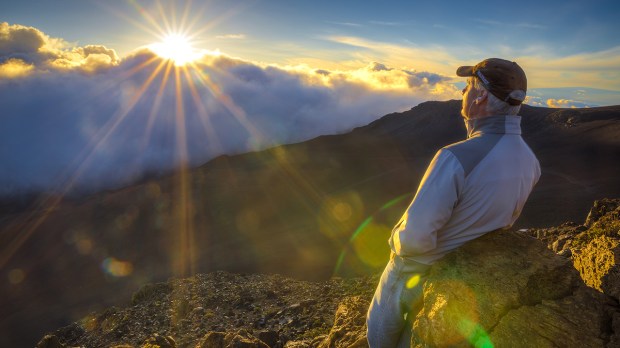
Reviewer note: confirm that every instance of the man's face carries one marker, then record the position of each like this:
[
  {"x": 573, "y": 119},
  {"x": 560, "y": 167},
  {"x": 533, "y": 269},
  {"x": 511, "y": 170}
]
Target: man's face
[{"x": 469, "y": 95}]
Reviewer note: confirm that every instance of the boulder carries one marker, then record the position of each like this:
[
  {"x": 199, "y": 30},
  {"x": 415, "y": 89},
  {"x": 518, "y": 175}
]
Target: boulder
[
  {"x": 507, "y": 289},
  {"x": 598, "y": 260},
  {"x": 239, "y": 339},
  {"x": 594, "y": 246},
  {"x": 601, "y": 208},
  {"x": 159, "y": 341},
  {"x": 349, "y": 328},
  {"x": 212, "y": 340},
  {"x": 599, "y": 264}
]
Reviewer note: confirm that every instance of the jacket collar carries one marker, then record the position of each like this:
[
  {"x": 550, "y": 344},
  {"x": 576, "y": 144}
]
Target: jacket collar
[{"x": 493, "y": 125}]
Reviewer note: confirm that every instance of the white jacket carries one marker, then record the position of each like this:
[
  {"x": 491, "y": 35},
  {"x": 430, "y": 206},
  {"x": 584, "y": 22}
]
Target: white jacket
[{"x": 470, "y": 188}]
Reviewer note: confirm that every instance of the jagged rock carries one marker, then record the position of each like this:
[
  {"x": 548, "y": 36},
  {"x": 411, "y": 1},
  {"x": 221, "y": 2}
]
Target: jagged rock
[
  {"x": 159, "y": 341},
  {"x": 239, "y": 339},
  {"x": 599, "y": 265},
  {"x": 50, "y": 341},
  {"x": 298, "y": 344},
  {"x": 560, "y": 238},
  {"x": 598, "y": 260},
  {"x": 508, "y": 289},
  {"x": 270, "y": 337},
  {"x": 242, "y": 339},
  {"x": 212, "y": 340},
  {"x": 349, "y": 326},
  {"x": 601, "y": 208},
  {"x": 594, "y": 247}
]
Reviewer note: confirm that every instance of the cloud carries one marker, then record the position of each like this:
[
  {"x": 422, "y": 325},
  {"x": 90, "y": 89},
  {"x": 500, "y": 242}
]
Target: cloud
[
  {"x": 544, "y": 67},
  {"x": 322, "y": 72},
  {"x": 388, "y": 24},
  {"x": 590, "y": 69},
  {"x": 81, "y": 115},
  {"x": 524, "y": 25},
  {"x": 346, "y": 24},
  {"x": 530, "y": 25},
  {"x": 24, "y": 50},
  {"x": 13, "y": 67},
  {"x": 555, "y": 103},
  {"x": 565, "y": 103},
  {"x": 375, "y": 66},
  {"x": 231, "y": 36},
  {"x": 436, "y": 58}
]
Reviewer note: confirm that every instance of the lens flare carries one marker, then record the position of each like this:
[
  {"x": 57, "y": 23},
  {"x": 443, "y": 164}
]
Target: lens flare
[
  {"x": 368, "y": 241},
  {"x": 475, "y": 334},
  {"x": 413, "y": 281},
  {"x": 16, "y": 276},
  {"x": 116, "y": 268}
]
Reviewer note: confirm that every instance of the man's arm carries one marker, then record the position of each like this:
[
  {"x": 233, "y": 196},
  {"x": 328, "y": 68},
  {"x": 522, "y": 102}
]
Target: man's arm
[{"x": 431, "y": 208}]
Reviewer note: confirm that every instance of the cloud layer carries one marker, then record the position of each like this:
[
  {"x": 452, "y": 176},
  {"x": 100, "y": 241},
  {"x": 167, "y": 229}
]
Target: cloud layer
[
  {"x": 82, "y": 115},
  {"x": 544, "y": 67},
  {"x": 25, "y": 48},
  {"x": 556, "y": 103}
]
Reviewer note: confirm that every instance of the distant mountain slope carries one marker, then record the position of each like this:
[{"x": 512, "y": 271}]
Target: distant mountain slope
[{"x": 305, "y": 210}]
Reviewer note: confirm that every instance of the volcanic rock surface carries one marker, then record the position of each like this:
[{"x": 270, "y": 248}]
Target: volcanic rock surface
[{"x": 593, "y": 246}]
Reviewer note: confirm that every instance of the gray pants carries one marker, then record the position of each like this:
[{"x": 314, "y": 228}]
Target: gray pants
[{"x": 397, "y": 300}]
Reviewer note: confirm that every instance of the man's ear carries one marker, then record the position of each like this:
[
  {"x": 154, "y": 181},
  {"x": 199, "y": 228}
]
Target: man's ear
[{"x": 482, "y": 97}]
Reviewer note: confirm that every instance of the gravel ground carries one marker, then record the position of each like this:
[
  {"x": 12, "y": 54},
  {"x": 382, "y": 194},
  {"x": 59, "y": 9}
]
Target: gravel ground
[{"x": 272, "y": 307}]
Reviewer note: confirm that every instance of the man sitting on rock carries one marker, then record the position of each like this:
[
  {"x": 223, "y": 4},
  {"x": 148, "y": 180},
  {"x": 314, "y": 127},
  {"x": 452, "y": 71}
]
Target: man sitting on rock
[{"x": 470, "y": 188}]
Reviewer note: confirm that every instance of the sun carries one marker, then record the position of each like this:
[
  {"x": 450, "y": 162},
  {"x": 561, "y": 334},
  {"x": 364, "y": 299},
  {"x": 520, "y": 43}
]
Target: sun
[{"x": 176, "y": 47}]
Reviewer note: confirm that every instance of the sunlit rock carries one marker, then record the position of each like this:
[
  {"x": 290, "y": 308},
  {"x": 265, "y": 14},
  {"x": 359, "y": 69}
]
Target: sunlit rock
[{"x": 508, "y": 289}]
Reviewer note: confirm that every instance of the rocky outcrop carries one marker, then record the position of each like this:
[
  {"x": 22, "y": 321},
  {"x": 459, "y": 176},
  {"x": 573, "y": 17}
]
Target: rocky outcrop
[
  {"x": 349, "y": 328},
  {"x": 594, "y": 246},
  {"x": 599, "y": 264},
  {"x": 508, "y": 289},
  {"x": 598, "y": 260}
]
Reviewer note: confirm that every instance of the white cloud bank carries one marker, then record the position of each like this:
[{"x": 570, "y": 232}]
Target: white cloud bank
[
  {"x": 83, "y": 114},
  {"x": 556, "y": 103}
]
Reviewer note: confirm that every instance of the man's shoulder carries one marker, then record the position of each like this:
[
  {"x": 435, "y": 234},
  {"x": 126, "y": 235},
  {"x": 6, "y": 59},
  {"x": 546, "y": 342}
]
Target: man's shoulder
[
  {"x": 471, "y": 151},
  {"x": 476, "y": 143}
]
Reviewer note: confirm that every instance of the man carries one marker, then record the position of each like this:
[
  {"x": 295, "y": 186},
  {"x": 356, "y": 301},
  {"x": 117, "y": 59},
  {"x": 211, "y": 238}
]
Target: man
[{"x": 470, "y": 188}]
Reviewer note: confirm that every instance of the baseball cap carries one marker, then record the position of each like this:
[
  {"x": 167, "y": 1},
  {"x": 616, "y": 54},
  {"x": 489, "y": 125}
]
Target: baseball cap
[{"x": 500, "y": 77}]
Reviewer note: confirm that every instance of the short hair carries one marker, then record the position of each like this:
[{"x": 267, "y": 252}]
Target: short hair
[{"x": 496, "y": 106}]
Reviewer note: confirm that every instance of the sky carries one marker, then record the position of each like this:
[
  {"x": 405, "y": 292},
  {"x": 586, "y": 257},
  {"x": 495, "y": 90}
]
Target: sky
[{"x": 89, "y": 100}]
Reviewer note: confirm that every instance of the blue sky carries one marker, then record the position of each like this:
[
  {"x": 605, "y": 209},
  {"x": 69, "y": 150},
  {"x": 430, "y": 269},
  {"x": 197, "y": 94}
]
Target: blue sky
[
  {"x": 84, "y": 92},
  {"x": 322, "y": 33},
  {"x": 566, "y": 27}
]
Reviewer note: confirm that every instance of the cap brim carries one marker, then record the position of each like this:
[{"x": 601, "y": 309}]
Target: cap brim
[{"x": 465, "y": 71}]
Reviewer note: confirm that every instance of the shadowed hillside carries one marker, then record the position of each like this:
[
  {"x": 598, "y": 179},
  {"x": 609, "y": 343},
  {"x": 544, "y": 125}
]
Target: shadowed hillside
[{"x": 306, "y": 210}]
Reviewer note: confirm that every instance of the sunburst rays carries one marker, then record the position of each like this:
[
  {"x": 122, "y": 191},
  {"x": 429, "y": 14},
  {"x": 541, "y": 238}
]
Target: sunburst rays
[
  {"x": 160, "y": 76},
  {"x": 192, "y": 85}
]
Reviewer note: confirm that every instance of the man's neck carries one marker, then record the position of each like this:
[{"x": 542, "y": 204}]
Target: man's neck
[{"x": 481, "y": 114}]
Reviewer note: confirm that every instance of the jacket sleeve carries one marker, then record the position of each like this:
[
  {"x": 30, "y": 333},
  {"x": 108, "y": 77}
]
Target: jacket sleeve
[{"x": 431, "y": 208}]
